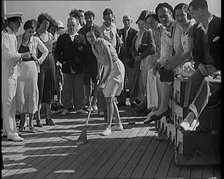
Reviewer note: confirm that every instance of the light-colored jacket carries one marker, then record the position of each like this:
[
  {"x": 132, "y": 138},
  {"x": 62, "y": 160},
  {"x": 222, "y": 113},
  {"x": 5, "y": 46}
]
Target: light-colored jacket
[
  {"x": 10, "y": 55},
  {"x": 34, "y": 44}
]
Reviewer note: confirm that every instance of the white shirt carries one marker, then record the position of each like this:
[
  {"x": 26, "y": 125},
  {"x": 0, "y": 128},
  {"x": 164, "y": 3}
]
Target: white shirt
[
  {"x": 10, "y": 55},
  {"x": 109, "y": 33},
  {"x": 34, "y": 44},
  {"x": 170, "y": 40}
]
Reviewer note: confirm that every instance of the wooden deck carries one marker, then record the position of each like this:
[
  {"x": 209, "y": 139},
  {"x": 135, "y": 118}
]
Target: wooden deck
[{"x": 134, "y": 152}]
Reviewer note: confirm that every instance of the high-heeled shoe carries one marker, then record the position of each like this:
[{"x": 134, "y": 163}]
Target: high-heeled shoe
[
  {"x": 21, "y": 128},
  {"x": 39, "y": 124},
  {"x": 50, "y": 122},
  {"x": 158, "y": 117}
]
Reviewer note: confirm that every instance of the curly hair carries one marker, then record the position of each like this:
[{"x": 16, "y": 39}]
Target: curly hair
[
  {"x": 44, "y": 16},
  {"x": 89, "y": 13},
  {"x": 107, "y": 11},
  {"x": 184, "y": 7},
  {"x": 75, "y": 13}
]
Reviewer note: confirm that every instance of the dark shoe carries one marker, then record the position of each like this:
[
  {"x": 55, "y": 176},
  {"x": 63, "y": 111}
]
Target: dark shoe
[
  {"x": 158, "y": 117},
  {"x": 32, "y": 130},
  {"x": 39, "y": 124},
  {"x": 137, "y": 101},
  {"x": 50, "y": 122},
  {"x": 21, "y": 129},
  {"x": 121, "y": 104},
  {"x": 140, "y": 109},
  {"x": 133, "y": 105}
]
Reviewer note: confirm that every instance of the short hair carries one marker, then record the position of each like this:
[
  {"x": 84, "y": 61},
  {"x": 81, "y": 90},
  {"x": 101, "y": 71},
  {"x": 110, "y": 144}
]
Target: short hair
[
  {"x": 184, "y": 7},
  {"x": 89, "y": 13},
  {"x": 44, "y": 16},
  {"x": 196, "y": 4},
  {"x": 161, "y": 5},
  {"x": 30, "y": 24},
  {"x": 75, "y": 13},
  {"x": 107, "y": 11},
  {"x": 153, "y": 15},
  {"x": 81, "y": 11}
]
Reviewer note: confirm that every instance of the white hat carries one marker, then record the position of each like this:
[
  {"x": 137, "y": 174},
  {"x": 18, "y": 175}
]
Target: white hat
[
  {"x": 14, "y": 14},
  {"x": 60, "y": 24}
]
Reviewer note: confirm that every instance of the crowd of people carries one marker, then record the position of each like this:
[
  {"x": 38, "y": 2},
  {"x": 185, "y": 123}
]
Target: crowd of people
[{"x": 87, "y": 65}]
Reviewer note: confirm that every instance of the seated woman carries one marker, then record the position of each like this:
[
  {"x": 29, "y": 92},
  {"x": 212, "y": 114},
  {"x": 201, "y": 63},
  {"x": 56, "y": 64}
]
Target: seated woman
[
  {"x": 27, "y": 94},
  {"x": 112, "y": 81},
  {"x": 169, "y": 46}
]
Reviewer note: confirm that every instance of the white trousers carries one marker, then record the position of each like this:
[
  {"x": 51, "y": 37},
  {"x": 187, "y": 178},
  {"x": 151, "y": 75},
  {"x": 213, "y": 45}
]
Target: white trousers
[
  {"x": 9, "y": 106},
  {"x": 152, "y": 90}
]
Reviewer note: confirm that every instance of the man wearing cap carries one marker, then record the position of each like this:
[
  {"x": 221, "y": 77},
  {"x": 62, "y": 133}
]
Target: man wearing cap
[{"x": 10, "y": 59}]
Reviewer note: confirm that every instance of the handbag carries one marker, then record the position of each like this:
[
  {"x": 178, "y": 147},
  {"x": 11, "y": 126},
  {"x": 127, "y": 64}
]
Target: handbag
[
  {"x": 142, "y": 48},
  {"x": 166, "y": 75}
]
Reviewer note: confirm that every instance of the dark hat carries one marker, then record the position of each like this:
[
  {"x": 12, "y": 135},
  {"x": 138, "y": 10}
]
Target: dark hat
[
  {"x": 14, "y": 15},
  {"x": 142, "y": 16}
]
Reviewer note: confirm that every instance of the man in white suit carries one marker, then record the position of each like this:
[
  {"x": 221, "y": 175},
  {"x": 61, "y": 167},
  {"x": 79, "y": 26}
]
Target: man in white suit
[{"x": 10, "y": 59}]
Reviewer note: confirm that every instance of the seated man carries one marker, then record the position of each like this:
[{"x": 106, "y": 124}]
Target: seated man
[{"x": 206, "y": 34}]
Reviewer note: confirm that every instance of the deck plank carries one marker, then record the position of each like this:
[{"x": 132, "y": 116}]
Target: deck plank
[
  {"x": 185, "y": 171},
  {"x": 208, "y": 171},
  {"x": 121, "y": 163},
  {"x": 108, "y": 153},
  {"x": 196, "y": 172},
  {"x": 134, "y": 152},
  {"x": 146, "y": 158},
  {"x": 156, "y": 160},
  {"x": 65, "y": 168},
  {"x": 117, "y": 155},
  {"x": 163, "y": 169},
  {"x": 137, "y": 156}
]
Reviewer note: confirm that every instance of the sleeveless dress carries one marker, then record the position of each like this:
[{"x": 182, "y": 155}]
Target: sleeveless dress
[
  {"x": 27, "y": 90},
  {"x": 46, "y": 77},
  {"x": 115, "y": 82}
]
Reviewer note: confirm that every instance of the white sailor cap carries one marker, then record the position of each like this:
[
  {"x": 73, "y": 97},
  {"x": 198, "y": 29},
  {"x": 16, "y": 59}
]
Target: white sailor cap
[{"x": 14, "y": 15}]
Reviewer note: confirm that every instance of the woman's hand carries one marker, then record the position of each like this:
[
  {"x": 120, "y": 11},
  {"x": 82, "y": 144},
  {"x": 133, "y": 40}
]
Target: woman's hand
[{"x": 35, "y": 59}]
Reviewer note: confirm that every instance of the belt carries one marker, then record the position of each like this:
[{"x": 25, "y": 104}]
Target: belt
[{"x": 28, "y": 59}]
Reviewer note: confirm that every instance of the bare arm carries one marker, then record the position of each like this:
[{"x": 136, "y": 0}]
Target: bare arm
[{"x": 109, "y": 63}]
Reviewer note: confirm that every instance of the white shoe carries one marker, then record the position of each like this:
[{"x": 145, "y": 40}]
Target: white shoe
[
  {"x": 101, "y": 113},
  {"x": 15, "y": 138},
  {"x": 106, "y": 132},
  {"x": 81, "y": 111},
  {"x": 185, "y": 125},
  {"x": 117, "y": 127},
  {"x": 64, "y": 112},
  {"x": 189, "y": 127},
  {"x": 95, "y": 108}
]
